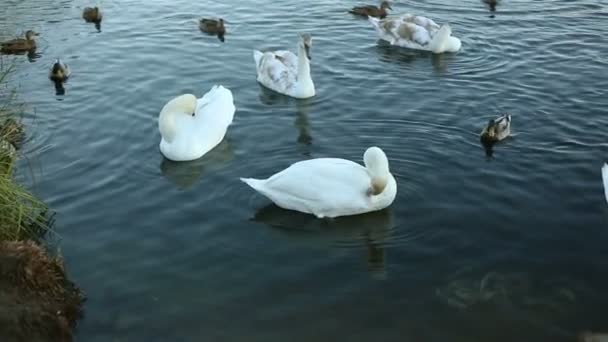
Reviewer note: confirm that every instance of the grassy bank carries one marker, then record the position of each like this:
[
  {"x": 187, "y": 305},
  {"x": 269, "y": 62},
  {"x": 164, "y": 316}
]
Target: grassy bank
[
  {"x": 22, "y": 215},
  {"x": 37, "y": 301}
]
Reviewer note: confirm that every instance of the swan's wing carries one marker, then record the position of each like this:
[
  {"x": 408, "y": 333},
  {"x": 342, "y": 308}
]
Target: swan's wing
[
  {"x": 427, "y": 23},
  {"x": 199, "y": 133},
  {"x": 605, "y": 179},
  {"x": 288, "y": 58},
  {"x": 319, "y": 186},
  {"x": 276, "y": 73},
  {"x": 413, "y": 32}
]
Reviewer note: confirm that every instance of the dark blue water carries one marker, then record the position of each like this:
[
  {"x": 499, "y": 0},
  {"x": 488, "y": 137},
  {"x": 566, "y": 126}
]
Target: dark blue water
[{"x": 475, "y": 248}]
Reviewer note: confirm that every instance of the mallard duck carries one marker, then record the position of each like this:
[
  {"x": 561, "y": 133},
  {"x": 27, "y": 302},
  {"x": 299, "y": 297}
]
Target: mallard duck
[
  {"x": 497, "y": 129},
  {"x": 372, "y": 11},
  {"x": 92, "y": 14},
  {"x": 212, "y": 26},
  {"x": 20, "y": 44},
  {"x": 332, "y": 187},
  {"x": 190, "y": 127},
  {"x": 416, "y": 32},
  {"x": 59, "y": 72},
  {"x": 285, "y": 72}
]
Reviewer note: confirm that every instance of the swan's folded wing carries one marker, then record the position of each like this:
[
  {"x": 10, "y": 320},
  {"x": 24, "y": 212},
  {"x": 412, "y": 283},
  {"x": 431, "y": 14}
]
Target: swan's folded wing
[
  {"x": 325, "y": 184},
  {"x": 288, "y": 58},
  {"x": 275, "y": 74}
]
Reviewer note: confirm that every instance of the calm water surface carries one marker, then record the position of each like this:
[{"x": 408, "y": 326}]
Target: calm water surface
[{"x": 510, "y": 247}]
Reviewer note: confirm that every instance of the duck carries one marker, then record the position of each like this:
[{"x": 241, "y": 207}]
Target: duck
[
  {"x": 212, "y": 26},
  {"x": 60, "y": 72},
  {"x": 605, "y": 179},
  {"x": 20, "y": 45},
  {"x": 416, "y": 32},
  {"x": 372, "y": 11},
  {"x": 497, "y": 129},
  {"x": 191, "y": 127},
  {"x": 92, "y": 14},
  {"x": 286, "y": 73},
  {"x": 331, "y": 187}
]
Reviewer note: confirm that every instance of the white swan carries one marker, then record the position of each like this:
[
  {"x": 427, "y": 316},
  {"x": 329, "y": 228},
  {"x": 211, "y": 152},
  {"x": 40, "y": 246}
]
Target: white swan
[
  {"x": 190, "y": 127},
  {"x": 286, "y": 73},
  {"x": 331, "y": 187},
  {"x": 416, "y": 32},
  {"x": 605, "y": 179}
]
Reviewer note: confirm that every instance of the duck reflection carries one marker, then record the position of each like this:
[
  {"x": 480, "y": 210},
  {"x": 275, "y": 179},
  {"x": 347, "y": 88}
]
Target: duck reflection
[
  {"x": 185, "y": 174},
  {"x": 492, "y": 5},
  {"x": 59, "y": 88},
  {"x": 371, "y": 231}
]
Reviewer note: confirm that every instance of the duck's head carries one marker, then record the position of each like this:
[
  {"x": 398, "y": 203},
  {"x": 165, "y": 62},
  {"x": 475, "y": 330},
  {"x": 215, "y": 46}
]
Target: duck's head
[
  {"x": 385, "y": 5},
  {"x": 376, "y": 164},
  {"x": 306, "y": 43},
  {"x": 29, "y": 35}
]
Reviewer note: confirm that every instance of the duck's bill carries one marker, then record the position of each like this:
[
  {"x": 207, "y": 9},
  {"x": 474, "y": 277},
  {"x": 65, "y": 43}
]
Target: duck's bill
[{"x": 307, "y": 48}]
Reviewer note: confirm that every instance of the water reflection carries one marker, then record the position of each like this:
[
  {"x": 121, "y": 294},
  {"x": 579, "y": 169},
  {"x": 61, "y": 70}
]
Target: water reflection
[
  {"x": 59, "y": 88},
  {"x": 371, "y": 231},
  {"x": 492, "y": 5},
  {"x": 302, "y": 107},
  {"x": 405, "y": 57},
  {"x": 186, "y": 174},
  {"x": 302, "y": 123}
]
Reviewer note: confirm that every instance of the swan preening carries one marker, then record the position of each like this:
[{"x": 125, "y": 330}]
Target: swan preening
[
  {"x": 331, "y": 187},
  {"x": 285, "y": 72},
  {"x": 191, "y": 127},
  {"x": 416, "y": 32}
]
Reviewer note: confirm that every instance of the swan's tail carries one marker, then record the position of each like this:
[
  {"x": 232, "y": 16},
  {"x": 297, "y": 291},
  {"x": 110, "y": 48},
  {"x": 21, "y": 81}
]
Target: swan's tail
[
  {"x": 375, "y": 22},
  {"x": 257, "y": 56},
  {"x": 440, "y": 40},
  {"x": 256, "y": 184},
  {"x": 605, "y": 179}
]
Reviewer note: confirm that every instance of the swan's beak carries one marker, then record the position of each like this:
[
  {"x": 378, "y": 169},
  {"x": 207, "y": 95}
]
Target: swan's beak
[{"x": 307, "y": 48}]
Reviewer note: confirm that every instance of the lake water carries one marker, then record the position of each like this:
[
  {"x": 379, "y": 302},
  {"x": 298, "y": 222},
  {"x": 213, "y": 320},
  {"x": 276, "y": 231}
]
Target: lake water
[{"x": 510, "y": 247}]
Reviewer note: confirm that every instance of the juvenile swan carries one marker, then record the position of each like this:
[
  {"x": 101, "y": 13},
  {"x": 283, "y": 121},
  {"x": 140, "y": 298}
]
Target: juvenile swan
[
  {"x": 416, "y": 32},
  {"x": 191, "y": 127},
  {"x": 331, "y": 187},
  {"x": 286, "y": 73}
]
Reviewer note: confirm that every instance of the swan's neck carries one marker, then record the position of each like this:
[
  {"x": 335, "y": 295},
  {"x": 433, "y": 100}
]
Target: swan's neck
[
  {"x": 181, "y": 105},
  {"x": 303, "y": 65}
]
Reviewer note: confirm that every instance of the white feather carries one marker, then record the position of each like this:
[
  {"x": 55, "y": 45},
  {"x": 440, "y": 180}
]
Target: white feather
[
  {"x": 188, "y": 137},
  {"x": 328, "y": 187},
  {"x": 285, "y": 72},
  {"x": 416, "y": 32},
  {"x": 605, "y": 179}
]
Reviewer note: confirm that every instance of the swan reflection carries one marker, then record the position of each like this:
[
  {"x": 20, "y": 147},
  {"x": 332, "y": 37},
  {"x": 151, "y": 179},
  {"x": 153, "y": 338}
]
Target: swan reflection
[
  {"x": 302, "y": 106},
  {"x": 186, "y": 174},
  {"x": 405, "y": 57},
  {"x": 371, "y": 231}
]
